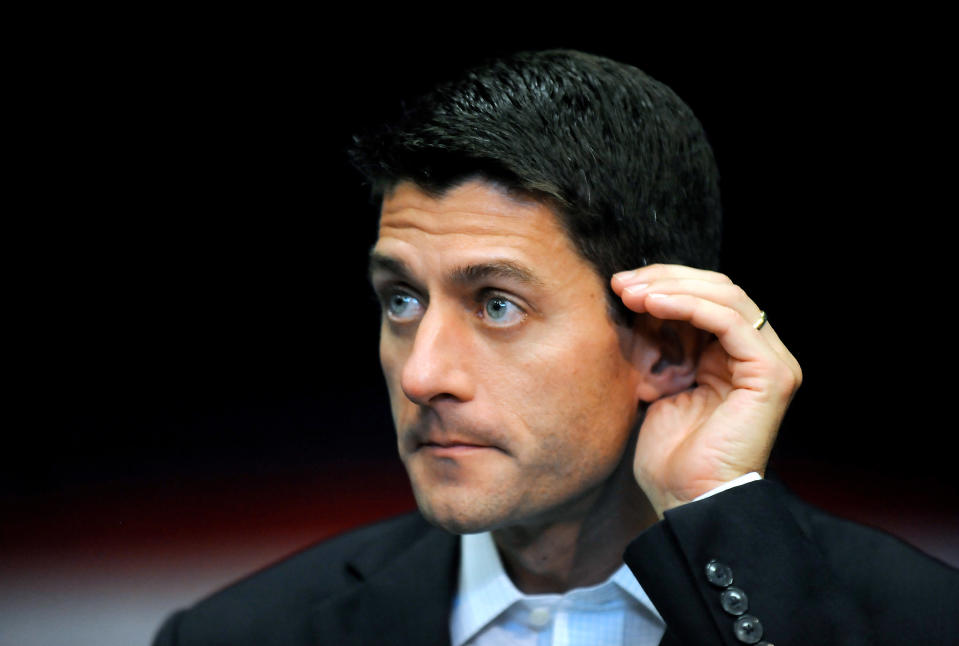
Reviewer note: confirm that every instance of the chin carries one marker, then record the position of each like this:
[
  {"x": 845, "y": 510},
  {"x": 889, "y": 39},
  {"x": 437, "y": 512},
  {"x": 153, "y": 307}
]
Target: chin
[
  {"x": 459, "y": 516},
  {"x": 464, "y": 496},
  {"x": 456, "y": 525}
]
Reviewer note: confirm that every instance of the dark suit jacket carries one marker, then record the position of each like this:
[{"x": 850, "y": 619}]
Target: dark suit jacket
[{"x": 810, "y": 578}]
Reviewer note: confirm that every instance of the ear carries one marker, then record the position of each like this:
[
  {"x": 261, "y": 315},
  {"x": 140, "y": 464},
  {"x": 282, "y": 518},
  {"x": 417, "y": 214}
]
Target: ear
[{"x": 665, "y": 355}]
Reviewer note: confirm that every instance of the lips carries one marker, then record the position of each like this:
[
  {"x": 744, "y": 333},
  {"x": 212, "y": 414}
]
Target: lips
[
  {"x": 444, "y": 445},
  {"x": 447, "y": 434},
  {"x": 448, "y": 449}
]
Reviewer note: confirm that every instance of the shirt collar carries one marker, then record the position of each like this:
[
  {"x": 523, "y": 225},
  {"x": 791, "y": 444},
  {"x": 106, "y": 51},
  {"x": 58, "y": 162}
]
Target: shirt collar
[{"x": 485, "y": 590}]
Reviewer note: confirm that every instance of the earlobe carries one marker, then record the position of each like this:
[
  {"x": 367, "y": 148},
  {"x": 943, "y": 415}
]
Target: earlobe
[{"x": 666, "y": 356}]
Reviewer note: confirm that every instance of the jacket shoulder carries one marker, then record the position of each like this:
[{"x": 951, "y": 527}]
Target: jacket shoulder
[
  {"x": 880, "y": 568},
  {"x": 282, "y": 596}
]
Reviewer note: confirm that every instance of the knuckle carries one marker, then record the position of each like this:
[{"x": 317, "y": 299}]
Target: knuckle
[
  {"x": 790, "y": 378},
  {"x": 730, "y": 317},
  {"x": 737, "y": 293},
  {"x": 722, "y": 278}
]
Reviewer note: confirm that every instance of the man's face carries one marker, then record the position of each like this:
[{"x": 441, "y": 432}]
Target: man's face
[{"x": 510, "y": 386}]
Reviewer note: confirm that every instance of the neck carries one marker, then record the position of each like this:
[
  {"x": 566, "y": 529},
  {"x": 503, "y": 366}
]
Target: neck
[{"x": 586, "y": 545}]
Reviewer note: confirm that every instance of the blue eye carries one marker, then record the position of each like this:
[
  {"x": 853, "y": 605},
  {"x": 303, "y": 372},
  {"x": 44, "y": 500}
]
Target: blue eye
[
  {"x": 403, "y": 307},
  {"x": 501, "y": 311}
]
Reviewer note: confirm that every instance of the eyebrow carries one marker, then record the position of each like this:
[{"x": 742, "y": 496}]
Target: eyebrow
[
  {"x": 504, "y": 269},
  {"x": 379, "y": 262},
  {"x": 464, "y": 275}
]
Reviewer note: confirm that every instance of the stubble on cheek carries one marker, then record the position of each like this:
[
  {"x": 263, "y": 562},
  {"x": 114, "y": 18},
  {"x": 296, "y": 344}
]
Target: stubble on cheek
[{"x": 590, "y": 420}]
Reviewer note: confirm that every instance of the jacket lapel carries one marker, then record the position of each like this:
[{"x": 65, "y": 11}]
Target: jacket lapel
[{"x": 405, "y": 599}]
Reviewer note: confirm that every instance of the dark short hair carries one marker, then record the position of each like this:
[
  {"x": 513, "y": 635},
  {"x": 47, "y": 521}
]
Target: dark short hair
[{"x": 621, "y": 159}]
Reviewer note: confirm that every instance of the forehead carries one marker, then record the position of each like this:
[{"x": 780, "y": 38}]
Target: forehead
[{"x": 475, "y": 216}]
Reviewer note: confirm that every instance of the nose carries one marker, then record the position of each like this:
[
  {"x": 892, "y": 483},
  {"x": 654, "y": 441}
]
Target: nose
[{"x": 438, "y": 364}]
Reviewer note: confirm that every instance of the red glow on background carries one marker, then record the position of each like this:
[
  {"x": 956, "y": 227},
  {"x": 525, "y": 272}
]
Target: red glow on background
[{"x": 111, "y": 564}]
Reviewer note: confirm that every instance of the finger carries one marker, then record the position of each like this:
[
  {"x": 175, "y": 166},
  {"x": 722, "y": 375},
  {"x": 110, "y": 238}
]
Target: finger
[
  {"x": 737, "y": 335},
  {"x": 723, "y": 293},
  {"x": 677, "y": 279},
  {"x": 652, "y": 273}
]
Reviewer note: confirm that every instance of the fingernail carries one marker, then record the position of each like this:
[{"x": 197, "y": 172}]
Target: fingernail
[
  {"x": 636, "y": 289},
  {"x": 626, "y": 275}
]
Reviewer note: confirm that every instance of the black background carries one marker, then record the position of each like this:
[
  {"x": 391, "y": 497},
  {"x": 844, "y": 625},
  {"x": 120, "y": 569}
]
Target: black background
[{"x": 189, "y": 243}]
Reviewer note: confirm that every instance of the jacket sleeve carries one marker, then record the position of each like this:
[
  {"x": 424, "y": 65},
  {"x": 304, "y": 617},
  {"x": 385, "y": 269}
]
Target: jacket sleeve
[{"x": 802, "y": 575}]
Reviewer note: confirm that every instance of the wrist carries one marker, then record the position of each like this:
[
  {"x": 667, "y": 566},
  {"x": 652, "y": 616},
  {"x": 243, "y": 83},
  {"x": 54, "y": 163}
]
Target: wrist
[
  {"x": 752, "y": 476},
  {"x": 666, "y": 500}
]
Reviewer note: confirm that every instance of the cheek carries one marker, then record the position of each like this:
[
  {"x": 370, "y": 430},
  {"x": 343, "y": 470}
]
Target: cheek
[
  {"x": 392, "y": 358},
  {"x": 580, "y": 400},
  {"x": 393, "y": 352},
  {"x": 588, "y": 368}
]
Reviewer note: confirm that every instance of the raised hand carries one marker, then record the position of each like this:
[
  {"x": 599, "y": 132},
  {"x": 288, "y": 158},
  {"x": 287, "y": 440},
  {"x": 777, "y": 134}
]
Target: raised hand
[{"x": 725, "y": 424}]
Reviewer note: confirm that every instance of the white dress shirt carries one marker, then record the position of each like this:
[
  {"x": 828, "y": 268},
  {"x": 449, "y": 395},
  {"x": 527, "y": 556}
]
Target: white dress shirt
[
  {"x": 489, "y": 611},
  {"x": 488, "y": 608}
]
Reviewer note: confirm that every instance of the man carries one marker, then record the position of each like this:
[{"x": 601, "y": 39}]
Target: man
[{"x": 571, "y": 382}]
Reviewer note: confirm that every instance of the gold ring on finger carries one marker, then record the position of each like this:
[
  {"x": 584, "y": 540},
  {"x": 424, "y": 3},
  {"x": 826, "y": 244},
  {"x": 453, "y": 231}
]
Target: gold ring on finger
[{"x": 761, "y": 321}]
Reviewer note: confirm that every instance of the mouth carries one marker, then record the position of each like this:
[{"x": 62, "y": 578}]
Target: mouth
[
  {"x": 435, "y": 436},
  {"x": 453, "y": 448}
]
